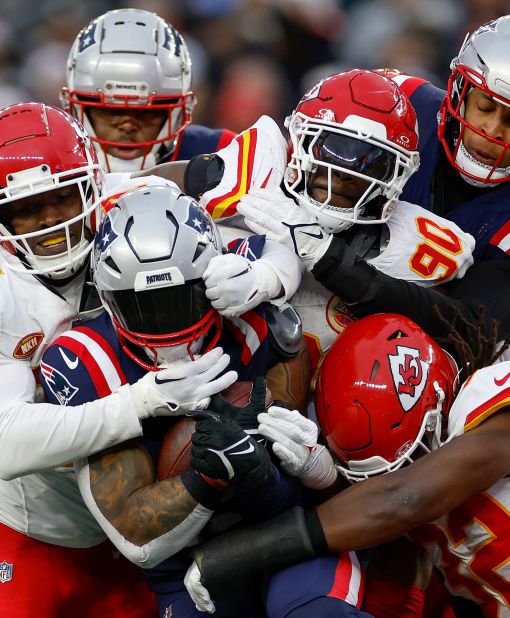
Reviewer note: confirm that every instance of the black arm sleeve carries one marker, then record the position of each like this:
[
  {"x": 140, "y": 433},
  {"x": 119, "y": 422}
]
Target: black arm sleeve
[
  {"x": 237, "y": 556},
  {"x": 368, "y": 291}
]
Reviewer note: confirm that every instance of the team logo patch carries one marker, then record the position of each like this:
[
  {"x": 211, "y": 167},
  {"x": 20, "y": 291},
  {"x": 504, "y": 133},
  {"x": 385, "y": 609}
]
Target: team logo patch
[
  {"x": 200, "y": 221},
  {"x": 410, "y": 374},
  {"x": 337, "y": 315},
  {"x": 28, "y": 345},
  {"x": 59, "y": 385},
  {"x": 326, "y": 114},
  {"x": 6, "y": 569},
  {"x": 87, "y": 37}
]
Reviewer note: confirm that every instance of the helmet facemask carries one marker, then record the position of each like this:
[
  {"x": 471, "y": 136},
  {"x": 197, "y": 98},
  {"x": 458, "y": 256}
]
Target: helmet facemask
[
  {"x": 131, "y": 59},
  {"x": 88, "y": 183},
  {"x": 383, "y": 166}
]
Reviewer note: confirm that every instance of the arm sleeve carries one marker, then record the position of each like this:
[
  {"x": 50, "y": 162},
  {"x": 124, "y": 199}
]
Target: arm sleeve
[
  {"x": 287, "y": 267},
  {"x": 368, "y": 291},
  {"x": 34, "y": 436},
  {"x": 155, "y": 551}
]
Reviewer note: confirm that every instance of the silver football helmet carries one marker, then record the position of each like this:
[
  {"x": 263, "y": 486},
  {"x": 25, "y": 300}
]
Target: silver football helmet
[
  {"x": 130, "y": 59},
  {"x": 481, "y": 63},
  {"x": 150, "y": 252}
]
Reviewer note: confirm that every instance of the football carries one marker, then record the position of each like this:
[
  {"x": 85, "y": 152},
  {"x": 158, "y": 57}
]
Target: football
[{"x": 175, "y": 453}]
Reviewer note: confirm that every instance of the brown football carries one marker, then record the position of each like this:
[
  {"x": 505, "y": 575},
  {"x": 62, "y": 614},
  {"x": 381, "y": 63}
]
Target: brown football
[{"x": 175, "y": 453}]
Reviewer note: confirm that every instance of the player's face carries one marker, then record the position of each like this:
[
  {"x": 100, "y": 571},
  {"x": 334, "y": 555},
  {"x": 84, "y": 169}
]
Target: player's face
[
  {"x": 44, "y": 210},
  {"x": 125, "y": 125},
  {"x": 492, "y": 119},
  {"x": 345, "y": 189}
]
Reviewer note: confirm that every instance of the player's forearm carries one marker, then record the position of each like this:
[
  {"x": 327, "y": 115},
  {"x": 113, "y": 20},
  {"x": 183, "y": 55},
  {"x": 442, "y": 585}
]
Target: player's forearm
[
  {"x": 287, "y": 267},
  {"x": 289, "y": 381},
  {"x": 147, "y": 523},
  {"x": 35, "y": 436},
  {"x": 122, "y": 484}
]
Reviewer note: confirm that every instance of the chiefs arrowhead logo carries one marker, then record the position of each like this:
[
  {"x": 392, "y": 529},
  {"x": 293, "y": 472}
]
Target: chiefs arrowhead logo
[
  {"x": 410, "y": 374},
  {"x": 28, "y": 345}
]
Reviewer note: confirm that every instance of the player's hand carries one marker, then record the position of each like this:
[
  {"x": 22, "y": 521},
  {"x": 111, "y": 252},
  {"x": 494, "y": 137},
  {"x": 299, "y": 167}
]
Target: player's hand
[
  {"x": 245, "y": 417},
  {"x": 271, "y": 212},
  {"x": 222, "y": 450},
  {"x": 182, "y": 386},
  {"x": 235, "y": 284},
  {"x": 294, "y": 439},
  {"x": 198, "y": 593}
]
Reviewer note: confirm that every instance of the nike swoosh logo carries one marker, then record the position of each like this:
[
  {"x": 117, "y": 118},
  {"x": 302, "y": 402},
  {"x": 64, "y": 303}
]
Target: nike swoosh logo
[
  {"x": 71, "y": 364},
  {"x": 250, "y": 449},
  {"x": 319, "y": 236},
  {"x": 502, "y": 380},
  {"x": 159, "y": 381}
]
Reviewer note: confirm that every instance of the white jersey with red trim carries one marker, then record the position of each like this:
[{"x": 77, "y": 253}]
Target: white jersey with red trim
[
  {"x": 422, "y": 247},
  {"x": 471, "y": 544},
  {"x": 41, "y": 436}
]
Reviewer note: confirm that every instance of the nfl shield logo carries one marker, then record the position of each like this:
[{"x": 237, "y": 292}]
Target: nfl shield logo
[{"x": 5, "y": 572}]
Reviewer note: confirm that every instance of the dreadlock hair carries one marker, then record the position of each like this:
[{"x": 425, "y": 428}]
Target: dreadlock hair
[{"x": 468, "y": 342}]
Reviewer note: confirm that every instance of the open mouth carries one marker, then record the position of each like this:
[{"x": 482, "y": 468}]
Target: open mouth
[{"x": 125, "y": 152}]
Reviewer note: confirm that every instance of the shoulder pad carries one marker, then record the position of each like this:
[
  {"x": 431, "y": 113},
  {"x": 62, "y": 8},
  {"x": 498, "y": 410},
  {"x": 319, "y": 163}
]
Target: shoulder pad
[{"x": 285, "y": 329}]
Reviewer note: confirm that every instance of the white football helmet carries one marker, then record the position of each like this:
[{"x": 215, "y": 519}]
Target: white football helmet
[
  {"x": 481, "y": 63},
  {"x": 151, "y": 251},
  {"x": 131, "y": 59}
]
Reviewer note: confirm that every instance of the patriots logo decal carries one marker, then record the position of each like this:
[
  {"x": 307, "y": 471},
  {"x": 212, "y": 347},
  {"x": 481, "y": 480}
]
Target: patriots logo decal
[
  {"x": 105, "y": 236},
  {"x": 410, "y": 374},
  {"x": 59, "y": 385},
  {"x": 199, "y": 221},
  {"x": 87, "y": 37}
]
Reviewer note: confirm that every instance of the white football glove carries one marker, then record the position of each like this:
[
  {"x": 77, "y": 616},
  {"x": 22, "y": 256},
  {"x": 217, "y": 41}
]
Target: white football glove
[
  {"x": 182, "y": 386},
  {"x": 198, "y": 593},
  {"x": 294, "y": 439},
  {"x": 235, "y": 285},
  {"x": 271, "y": 212}
]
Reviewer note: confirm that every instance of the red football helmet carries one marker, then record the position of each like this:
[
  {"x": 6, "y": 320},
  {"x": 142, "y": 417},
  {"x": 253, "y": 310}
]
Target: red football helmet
[
  {"x": 479, "y": 64},
  {"x": 43, "y": 148},
  {"x": 358, "y": 123},
  {"x": 381, "y": 392}
]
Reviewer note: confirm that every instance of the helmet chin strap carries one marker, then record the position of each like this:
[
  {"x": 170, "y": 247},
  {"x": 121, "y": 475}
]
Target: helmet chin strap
[{"x": 468, "y": 163}]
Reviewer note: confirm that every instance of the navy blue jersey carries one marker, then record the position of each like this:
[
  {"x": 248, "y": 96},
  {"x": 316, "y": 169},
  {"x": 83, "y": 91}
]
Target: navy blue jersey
[{"x": 487, "y": 215}]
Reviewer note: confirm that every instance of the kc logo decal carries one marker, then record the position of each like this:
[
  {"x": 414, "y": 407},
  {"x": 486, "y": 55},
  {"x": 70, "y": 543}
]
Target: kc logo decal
[{"x": 410, "y": 374}]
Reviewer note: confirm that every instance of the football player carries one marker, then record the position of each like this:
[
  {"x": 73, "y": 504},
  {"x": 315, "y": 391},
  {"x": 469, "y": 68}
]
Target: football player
[
  {"x": 150, "y": 253},
  {"x": 129, "y": 83},
  {"x": 463, "y": 176},
  {"x": 424, "y": 460},
  {"x": 129, "y": 77},
  {"x": 353, "y": 147}
]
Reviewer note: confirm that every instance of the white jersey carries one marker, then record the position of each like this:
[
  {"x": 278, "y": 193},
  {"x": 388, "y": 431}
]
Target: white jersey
[
  {"x": 471, "y": 544},
  {"x": 37, "y": 436},
  {"x": 423, "y": 248}
]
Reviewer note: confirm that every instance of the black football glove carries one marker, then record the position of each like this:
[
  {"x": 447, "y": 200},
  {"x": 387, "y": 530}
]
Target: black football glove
[
  {"x": 245, "y": 417},
  {"x": 222, "y": 450}
]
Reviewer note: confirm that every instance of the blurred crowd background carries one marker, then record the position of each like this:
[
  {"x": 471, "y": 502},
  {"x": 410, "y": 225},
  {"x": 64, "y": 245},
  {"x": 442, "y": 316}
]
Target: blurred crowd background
[{"x": 250, "y": 57}]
